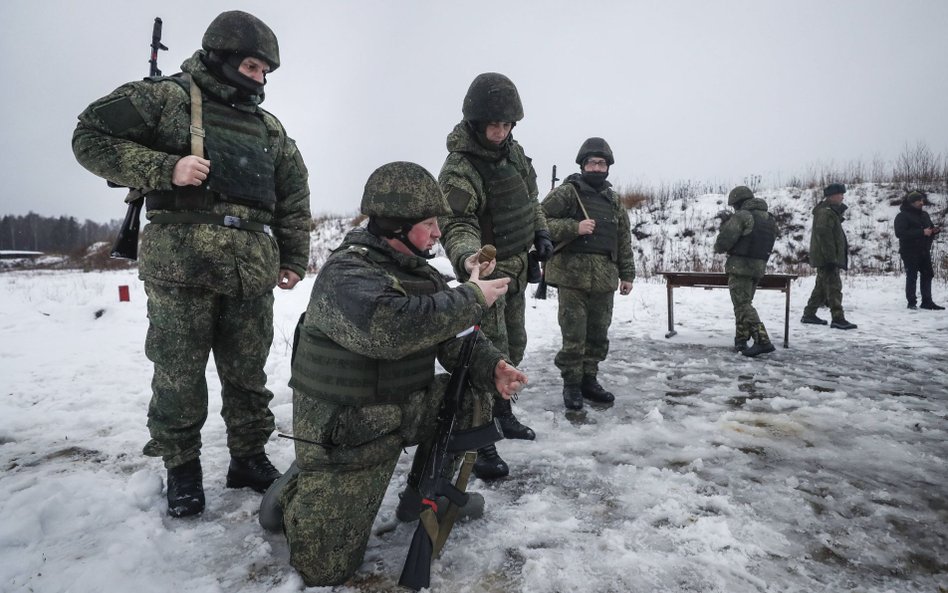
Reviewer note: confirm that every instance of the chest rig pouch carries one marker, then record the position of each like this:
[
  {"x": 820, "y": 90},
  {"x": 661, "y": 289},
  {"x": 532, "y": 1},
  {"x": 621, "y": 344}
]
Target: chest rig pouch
[
  {"x": 605, "y": 241},
  {"x": 238, "y": 146},
  {"x": 508, "y": 218},
  {"x": 323, "y": 369}
]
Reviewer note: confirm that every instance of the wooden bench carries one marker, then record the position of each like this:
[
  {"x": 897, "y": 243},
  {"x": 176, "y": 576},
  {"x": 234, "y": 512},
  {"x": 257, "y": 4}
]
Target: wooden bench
[{"x": 709, "y": 280}]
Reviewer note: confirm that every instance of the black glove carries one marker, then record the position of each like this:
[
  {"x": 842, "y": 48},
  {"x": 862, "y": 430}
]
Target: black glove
[{"x": 543, "y": 244}]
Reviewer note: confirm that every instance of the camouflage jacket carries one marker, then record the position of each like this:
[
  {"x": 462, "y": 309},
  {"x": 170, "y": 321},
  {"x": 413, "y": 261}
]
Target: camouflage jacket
[
  {"x": 140, "y": 149},
  {"x": 364, "y": 309},
  {"x": 828, "y": 245},
  {"x": 462, "y": 232},
  {"x": 741, "y": 223},
  {"x": 585, "y": 271}
]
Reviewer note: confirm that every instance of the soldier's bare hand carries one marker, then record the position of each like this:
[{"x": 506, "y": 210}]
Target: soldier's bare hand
[
  {"x": 625, "y": 287},
  {"x": 288, "y": 279},
  {"x": 190, "y": 170},
  {"x": 491, "y": 289},
  {"x": 508, "y": 379},
  {"x": 485, "y": 268},
  {"x": 587, "y": 227}
]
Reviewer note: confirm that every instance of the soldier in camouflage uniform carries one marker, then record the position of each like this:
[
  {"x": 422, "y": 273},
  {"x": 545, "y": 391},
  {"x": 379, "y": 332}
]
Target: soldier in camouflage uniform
[
  {"x": 491, "y": 187},
  {"x": 225, "y": 228},
  {"x": 748, "y": 239},
  {"x": 829, "y": 253},
  {"x": 593, "y": 258},
  {"x": 364, "y": 383}
]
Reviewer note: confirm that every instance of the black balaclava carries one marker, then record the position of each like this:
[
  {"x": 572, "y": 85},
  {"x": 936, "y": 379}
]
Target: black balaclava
[
  {"x": 479, "y": 129},
  {"x": 396, "y": 228},
  {"x": 225, "y": 67},
  {"x": 594, "y": 178}
]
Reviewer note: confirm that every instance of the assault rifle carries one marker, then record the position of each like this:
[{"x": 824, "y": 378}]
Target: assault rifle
[
  {"x": 541, "y": 287},
  {"x": 438, "y": 458},
  {"x": 126, "y": 244}
]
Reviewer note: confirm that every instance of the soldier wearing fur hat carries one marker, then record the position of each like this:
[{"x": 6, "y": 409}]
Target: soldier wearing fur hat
[
  {"x": 829, "y": 253},
  {"x": 491, "y": 187},
  {"x": 226, "y": 226},
  {"x": 915, "y": 231},
  {"x": 364, "y": 382},
  {"x": 748, "y": 239},
  {"x": 593, "y": 260}
]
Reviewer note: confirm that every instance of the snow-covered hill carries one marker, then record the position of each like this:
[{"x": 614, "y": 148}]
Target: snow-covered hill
[{"x": 677, "y": 230}]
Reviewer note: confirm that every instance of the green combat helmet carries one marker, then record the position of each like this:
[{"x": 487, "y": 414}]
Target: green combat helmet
[
  {"x": 403, "y": 191},
  {"x": 739, "y": 194},
  {"x": 492, "y": 97},
  {"x": 243, "y": 34},
  {"x": 595, "y": 147}
]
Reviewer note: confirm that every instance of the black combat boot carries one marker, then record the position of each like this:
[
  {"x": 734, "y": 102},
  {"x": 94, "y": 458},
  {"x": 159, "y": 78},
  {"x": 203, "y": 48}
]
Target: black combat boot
[
  {"x": 931, "y": 306},
  {"x": 254, "y": 472},
  {"x": 509, "y": 424},
  {"x": 758, "y": 348},
  {"x": 489, "y": 465},
  {"x": 842, "y": 324},
  {"x": 185, "y": 489},
  {"x": 572, "y": 396},
  {"x": 594, "y": 392},
  {"x": 812, "y": 319},
  {"x": 271, "y": 510},
  {"x": 740, "y": 344}
]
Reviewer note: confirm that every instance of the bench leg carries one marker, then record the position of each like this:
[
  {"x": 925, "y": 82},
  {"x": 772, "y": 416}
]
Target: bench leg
[{"x": 671, "y": 311}]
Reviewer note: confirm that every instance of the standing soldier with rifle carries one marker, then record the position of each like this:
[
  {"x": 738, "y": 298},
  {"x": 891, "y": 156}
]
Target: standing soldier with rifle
[
  {"x": 593, "y": 259},
  {"x": 227, "y": 199},
  {"x": 491, "y": 187},
  {"x": 364, "y": 383}
]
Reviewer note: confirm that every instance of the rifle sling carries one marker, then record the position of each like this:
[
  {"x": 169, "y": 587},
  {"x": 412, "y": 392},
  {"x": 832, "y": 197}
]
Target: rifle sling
[{"x": 197, "y": 119}]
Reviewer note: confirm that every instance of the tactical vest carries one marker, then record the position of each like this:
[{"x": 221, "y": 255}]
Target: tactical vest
[
  {"x": 242, "y": 167},
  {"x": 605, "y": 241},
  {"x": 759, "y": 243},
  {"x": 323, "y": 369},
  {"x": 508, "y": 219}
]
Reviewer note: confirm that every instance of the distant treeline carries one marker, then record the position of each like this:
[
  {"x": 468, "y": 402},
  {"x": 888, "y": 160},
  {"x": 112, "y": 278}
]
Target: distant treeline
[{"x": 52, "y": 235}]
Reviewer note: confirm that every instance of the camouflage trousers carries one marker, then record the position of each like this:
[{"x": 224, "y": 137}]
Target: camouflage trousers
[
  {"x": 746, "y": 321},
  {"x": 346, "y": 463},
  {"x": 827, "y": 292},
  {"x": 584, "y": 319},
  {"x": 185, "y": 325}
]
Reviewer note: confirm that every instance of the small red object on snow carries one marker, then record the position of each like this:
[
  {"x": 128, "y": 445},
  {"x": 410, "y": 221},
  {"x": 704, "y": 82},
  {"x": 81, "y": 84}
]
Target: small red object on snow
[{"x": 123, "y": 293}]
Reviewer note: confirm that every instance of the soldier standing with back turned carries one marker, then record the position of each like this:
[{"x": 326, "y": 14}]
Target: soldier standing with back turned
[
  {"x": 829, "y": 253},
  {"x": 748, "y": 239},
  {"x": 225, "y": 227},
  {"x": 491, "y": 187},
  {"x": 588, "y": 220}
]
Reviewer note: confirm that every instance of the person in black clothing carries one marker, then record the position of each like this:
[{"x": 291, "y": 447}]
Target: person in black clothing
[{"x": 915, "y": 231}]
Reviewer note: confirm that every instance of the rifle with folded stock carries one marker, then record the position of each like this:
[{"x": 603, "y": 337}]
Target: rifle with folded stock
[
  {"x": 126, "y": 244},
  {"x": 431, "y": 483}
]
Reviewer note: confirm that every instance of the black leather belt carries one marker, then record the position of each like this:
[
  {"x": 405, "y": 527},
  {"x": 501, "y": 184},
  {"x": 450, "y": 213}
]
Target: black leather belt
[{"x": 207, "y": 218}]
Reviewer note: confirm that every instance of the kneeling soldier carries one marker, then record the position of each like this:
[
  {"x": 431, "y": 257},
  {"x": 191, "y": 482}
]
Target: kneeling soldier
[{"x": 364, "y": 383}]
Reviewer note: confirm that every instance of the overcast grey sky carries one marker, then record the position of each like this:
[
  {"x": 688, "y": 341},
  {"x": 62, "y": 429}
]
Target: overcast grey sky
[{"x": 708, "y": 90}]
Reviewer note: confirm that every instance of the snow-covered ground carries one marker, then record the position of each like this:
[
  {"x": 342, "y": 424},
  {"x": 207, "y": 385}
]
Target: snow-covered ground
[{"x": 817, "y": 468}]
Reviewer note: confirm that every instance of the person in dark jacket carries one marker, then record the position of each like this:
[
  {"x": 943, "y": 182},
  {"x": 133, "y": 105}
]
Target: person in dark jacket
[
  {"x": 915, "y": 231},
  {"x": 829, "y": 253}
]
